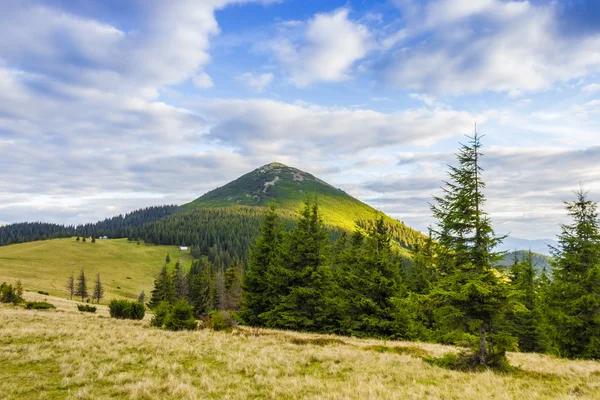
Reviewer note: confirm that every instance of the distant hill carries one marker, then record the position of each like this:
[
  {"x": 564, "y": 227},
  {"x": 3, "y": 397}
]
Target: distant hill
[
  {"x": 540, "y": 246},
  {"x": 224, "y": 222},
  {"x": 540, "y": 261}
]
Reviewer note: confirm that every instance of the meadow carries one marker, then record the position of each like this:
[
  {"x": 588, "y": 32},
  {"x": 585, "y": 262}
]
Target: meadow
[
  {"x": 125, "y": 267},
  {"x": 62, "y": 353}
]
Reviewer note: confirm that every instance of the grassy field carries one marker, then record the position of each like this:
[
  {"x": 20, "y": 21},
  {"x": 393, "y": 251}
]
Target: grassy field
[
  {"x": 61, "y": 354},
  {"x": 125, "y": 268}
]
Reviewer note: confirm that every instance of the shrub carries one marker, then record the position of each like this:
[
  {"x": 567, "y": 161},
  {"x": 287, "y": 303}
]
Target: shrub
[
  {"x": 160, "y": 313},
  {"x": 39, "y": 305},
  {"x": 86, "y": 308},
  {"x": 181, "y": 317},
  {"x": 10, "y": 293},
  {"x": 136, "y": 310},
  {"x": 44, "y": 293},
  {"x": 125, "y": 309},
  {"x": 221, "y": 321}
]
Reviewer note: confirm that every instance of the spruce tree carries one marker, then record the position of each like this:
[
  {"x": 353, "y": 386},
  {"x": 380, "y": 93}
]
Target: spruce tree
[
  {"x": 98, "y": 289},
  {"x": 201, "y": 287},
  {"x": 168, "y": 259},
  {"x": 305, "y": 283},
  {"x": 265, "y": 256},
  {"x": 180, "y": 282},
  {"x": 70, "y": 286},
  {"x": 233, "y": 288},
  {"x": 141, "y": 297},
  {"x": 470, "y": 294},
  {"x": 163, "y": 289},
  {"x": 81, "y": 288},
  {"x": 573, "y": 295}
]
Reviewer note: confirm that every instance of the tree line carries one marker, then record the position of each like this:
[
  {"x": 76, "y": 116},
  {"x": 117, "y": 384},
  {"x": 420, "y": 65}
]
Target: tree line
[{"x": 452, "y": 291}]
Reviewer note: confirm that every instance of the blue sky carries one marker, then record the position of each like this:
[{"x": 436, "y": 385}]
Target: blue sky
[{"x": 109, "y": 106}]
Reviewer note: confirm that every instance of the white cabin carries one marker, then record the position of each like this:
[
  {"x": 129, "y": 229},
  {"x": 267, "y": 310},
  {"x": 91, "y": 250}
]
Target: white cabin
[{"x": 183, "y": 248}]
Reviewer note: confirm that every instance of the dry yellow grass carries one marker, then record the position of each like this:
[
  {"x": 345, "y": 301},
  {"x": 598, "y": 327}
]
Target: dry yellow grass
[{"x": 66, "y": 354}]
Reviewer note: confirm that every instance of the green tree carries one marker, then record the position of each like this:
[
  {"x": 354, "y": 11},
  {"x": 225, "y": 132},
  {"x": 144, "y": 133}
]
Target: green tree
[
  {"x": 265, "y": 256},
  {"x": 573, "y": 295},
  {"x": 470, "y": 294},
  {"x": 180, "y": 282},
  {"x": 98, "y": 292},
  {"x": 305, "y": 283},
  {"x": 233, "y": 288},
  {"x": 81, "y": 289},
  {"x": 168, "y": 259},
  {"x": 201, "y": 287},
  {"x": 163, "y": 288},
  {"x": 141, "y": 297}
]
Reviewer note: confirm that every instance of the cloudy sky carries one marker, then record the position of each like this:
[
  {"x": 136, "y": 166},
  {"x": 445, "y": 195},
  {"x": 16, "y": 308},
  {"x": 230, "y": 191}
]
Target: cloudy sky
[{"x": 111, "y": 105}]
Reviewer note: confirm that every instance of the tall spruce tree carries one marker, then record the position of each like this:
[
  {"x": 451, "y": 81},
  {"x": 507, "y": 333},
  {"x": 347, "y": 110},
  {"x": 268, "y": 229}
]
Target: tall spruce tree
[
  {"x": 81, "y": 289},
  {"x": 265, "y": 258},
  {"x": 233, "y": 288},
  {"x": 70, "y": 286},
  {"x": 527, "y": 323},
  {"x": 369, "y": 281},
  {"x": 573, "y": 295},
  {"x": 201, "y": 287},
  {"x": 163, "y": 289},
  {"x": 471, "y": 294},
  {"x": 98, "y": 292},
  {"x": 303, "y": 295},
  {"x": 180, "y": 282}
]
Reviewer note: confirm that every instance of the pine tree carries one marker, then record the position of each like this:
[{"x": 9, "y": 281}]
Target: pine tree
[
  {"x": 180, "y": 282},
  {"x": 163, "y": 289},
  {"x": 201, "y": 287},
  {"x": 527, "y": 323},
  {"x": 70, "y": 286},
  {"x": 470, "y": 294},
  {"x": 305, "y": 297},
  {"x": 233, "y": 288},
  {"x": 84, "y": 239},
  {"x": 81, "y": 289},
  {"x": 141, "y": 297},
  {"x": 93, "y": 239},
  {"x": 168, "y": 259},
  {"x": 98, "y": 289},
  {"x": 264, "y": 256},
  {"x": 573, "y": 295}
]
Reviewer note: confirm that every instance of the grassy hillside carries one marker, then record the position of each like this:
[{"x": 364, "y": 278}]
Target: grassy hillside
[
  {"x": 61, "y": 354},
  {"x": 45, "y": 265},
  {"x": 540, "y": 261}
]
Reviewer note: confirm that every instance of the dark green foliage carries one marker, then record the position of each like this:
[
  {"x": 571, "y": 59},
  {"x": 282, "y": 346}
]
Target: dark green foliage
[
  {"x": 527, "y": 323},
  {"x": 369, "y": 280},
  {"x": 11, "y": 294},
  {"x": 93, "y": 239},
  {"x": 180, "y": 317},
  {"x": 167, "y": 259},
  {"x": 160, "y": 313},
  {"x": 86, "y": 308},
  {"x": 302, "y": 289},
  {"x": 164, "y": 290},
  {"x": 573, "y": 295},
  {"x": 232, "y": 282},
  {"x": 81, "y": 286},
  {"x": 470, "y": 294},
  {"x": 44, "y": 293},
  {"x": 202, "y": 294},
  {"x": 125, "y": 309},
  {"x": 265, "y": 257},
  {"x": 84, "y": 239},
  {"x": 180, "y": 282},
  {"x": 220, "y": 321},
  {"x": 39, "y": 305},
  {"x": 141, "y": 297}
]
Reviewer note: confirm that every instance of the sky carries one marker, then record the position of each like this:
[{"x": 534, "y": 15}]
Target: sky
[{"x": 107, "y": 106}]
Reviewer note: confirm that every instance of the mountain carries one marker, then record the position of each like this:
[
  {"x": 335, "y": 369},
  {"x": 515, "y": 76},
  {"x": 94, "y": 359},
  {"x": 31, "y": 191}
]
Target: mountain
[
  {"x": 223, "y": 223},
  {"x": 540, "y": 261},
  {"x": 540, "y": 246}
]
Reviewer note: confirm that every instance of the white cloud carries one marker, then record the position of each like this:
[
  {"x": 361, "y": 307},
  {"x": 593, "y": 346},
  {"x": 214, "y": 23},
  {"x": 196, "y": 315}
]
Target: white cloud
[
  {"x": 330, "y": 46},
  {"x": 461, "y": 46},
  {"x": 203, "y": 81},
  {"x": 591, "y": 88},
  {"x": 257, "y": 83}
]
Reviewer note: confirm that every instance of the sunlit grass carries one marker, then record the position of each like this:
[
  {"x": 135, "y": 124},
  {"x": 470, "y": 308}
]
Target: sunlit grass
[{"x": 66, "y": 354}]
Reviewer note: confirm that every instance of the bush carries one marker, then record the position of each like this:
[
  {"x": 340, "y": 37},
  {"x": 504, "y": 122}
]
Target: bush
[
  {"x": 10, "y": 293},
  {"x": 86, "y": 308},
  {"x": 181, "y": 317},
  {"x": 136, "y": 310},
  {"x": 221, "y": 321},
  {"x": 44, "y": 293},
  {"x": 124, "y": 309},
  {"x": 160, "y": 313},
  {"x": 39, "y": 305}
]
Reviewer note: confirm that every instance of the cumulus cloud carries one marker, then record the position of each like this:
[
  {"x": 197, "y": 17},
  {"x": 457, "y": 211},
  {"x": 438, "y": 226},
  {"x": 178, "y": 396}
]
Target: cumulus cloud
[
  {"x": 460, "y": 46},
  {"x": 203, "y": 81},
  {"x": 330, "y": 45},
  {"x": 258, "y": 83}
]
